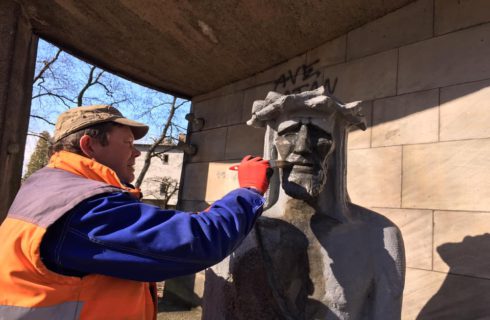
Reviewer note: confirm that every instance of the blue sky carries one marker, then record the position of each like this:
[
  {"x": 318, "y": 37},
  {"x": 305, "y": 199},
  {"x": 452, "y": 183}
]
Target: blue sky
[{"x": 66, "y": 79}]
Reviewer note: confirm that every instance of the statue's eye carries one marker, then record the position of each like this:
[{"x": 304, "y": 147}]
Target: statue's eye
[
  {"x": 290, "y": 134},
  {"x": 290, "y": 131},
  {"x": 324, "y": 141},
  {"x": 319, "y": 134}
]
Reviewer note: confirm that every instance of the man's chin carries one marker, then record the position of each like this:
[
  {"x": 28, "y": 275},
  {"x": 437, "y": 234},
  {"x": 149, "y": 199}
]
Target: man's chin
[
  {"x": 130, "y": 174},
  {"x": 127, "y": 179}
]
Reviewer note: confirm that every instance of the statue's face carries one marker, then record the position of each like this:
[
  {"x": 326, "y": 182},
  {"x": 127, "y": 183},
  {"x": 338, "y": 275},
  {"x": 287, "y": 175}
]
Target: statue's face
[{"x": 307, "y": 143}]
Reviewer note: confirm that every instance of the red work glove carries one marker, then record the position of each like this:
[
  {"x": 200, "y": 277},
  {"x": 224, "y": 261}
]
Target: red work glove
[{"x": 253, "y": 173}]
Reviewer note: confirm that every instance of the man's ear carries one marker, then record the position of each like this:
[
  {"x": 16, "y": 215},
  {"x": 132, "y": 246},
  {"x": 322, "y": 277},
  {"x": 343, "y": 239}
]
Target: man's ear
[{"x": 87, "y": 146}]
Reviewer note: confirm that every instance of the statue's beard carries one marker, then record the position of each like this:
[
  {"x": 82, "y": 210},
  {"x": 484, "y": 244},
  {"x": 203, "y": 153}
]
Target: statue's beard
[{"x": 304, "y": 185}]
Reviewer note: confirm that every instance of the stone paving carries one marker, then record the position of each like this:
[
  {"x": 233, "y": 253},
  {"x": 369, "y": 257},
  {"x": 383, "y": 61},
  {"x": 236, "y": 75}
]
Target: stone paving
[{"x": 194, "y": 314}]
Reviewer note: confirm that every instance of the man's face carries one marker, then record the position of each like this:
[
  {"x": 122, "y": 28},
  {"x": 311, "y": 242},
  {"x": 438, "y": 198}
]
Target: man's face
[
  {"x": 306, "y": 142},
  {"x": 119, "y": 154}
]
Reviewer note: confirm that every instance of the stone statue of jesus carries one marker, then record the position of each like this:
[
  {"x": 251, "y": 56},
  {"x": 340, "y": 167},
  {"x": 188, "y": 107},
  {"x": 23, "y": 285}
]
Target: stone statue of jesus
[{"x": 313, "y": 254}]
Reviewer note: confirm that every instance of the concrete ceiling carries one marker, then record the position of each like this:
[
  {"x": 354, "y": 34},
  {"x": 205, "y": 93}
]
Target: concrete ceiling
[{"x": 192, "y": 47}]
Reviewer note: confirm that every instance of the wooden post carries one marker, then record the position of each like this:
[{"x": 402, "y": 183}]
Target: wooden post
[{"x": 17, "y": 63}]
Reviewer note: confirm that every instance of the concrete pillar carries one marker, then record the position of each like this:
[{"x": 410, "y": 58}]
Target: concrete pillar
[{"x": 17, "y": 64}]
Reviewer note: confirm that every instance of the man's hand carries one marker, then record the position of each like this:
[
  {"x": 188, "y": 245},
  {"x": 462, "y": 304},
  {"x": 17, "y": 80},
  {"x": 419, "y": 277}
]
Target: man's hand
[{"x": 253, "y": 172}]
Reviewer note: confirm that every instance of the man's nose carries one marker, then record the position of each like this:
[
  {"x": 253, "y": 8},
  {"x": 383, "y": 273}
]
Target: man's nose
[
  {"x": 136, "y": 152},
  {"x": 302, "y": 144}
]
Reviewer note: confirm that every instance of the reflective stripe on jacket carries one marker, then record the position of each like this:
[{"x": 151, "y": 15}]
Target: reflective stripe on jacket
[{"x": 28, "y": 289}]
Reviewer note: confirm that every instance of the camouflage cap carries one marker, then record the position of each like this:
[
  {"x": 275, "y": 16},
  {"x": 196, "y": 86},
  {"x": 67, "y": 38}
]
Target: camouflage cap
[{"x": 83, "y": 117}]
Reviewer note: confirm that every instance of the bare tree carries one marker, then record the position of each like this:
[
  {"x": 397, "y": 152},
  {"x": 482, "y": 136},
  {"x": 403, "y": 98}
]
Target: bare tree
[
  {"x": 91, "y": 81},
  {"x": 62, "y": 82},
  {"x": 164, "y": 136},
  {"x": 167, "y": 188}
]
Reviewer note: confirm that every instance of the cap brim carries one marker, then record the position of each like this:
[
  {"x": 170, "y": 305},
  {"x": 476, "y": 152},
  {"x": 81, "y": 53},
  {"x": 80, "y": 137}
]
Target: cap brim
[{"x": 139, "y": 129}]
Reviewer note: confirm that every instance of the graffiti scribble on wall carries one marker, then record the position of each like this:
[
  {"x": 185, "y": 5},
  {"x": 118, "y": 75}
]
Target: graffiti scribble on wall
[{"x": 304, "y": 78}]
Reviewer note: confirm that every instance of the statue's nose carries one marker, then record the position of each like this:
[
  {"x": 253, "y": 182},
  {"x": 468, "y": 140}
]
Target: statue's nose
[{"x": 302, "y": 144}]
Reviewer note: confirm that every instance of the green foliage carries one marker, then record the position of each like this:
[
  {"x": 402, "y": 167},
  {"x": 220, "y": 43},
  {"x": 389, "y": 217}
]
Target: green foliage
[{"x": 40, "y": 156}]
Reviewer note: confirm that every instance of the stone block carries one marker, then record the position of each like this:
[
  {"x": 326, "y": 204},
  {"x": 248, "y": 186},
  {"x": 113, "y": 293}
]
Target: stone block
[
  {"x": 465, "y": 111},
  {"x": 447, "y": 176},
  {"x": 462, "y": 242},
  {"x": 437, "y": 296},
  {"x": 300, "y": 73},
  {"x": 329, "y": 53},
  {"x": 221, "y": 111},
  {"x": 210, "y": 145},
  {"x": 451, "y": 15},
  {"x": 231, "y": 88},
  {"x": 392, "y": 31},
  {"x": 199, "y": 283},
  {"x": 451, "y": 59},
  {"x": 243, "y": 140},
  {"x": 207, "y": 182},
  {"x": 406, "y": 119},
  {"x": 252, "y": 94},
  {"x": 284, "y": 75},
  {"x": 416, "y": 228},
  {"x": 420, "y": 287},
  {"x": 359, "y": 139},
  {"x": 363, "y": 79},
  {"x": 299, "y": 78},
  {"x": 374, "y": 176},
  {"x": 220, "y": 180},
  {"x": 194, "y": 181}
]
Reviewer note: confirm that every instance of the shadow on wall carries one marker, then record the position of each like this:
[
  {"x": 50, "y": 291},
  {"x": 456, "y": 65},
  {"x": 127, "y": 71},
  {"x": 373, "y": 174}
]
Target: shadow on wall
[{"x": 462, "y": 296}]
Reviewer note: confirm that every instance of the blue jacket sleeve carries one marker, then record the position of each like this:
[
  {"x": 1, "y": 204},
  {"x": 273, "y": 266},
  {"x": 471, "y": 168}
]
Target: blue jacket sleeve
[{"x": 119, "y": 236}]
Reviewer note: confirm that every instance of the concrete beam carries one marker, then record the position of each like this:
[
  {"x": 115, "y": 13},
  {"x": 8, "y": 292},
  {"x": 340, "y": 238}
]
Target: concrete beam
[{"x": 17, "y": 64}]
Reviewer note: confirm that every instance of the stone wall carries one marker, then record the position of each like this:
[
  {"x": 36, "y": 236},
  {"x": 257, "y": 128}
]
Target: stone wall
[{"x": 423, "y": 73}]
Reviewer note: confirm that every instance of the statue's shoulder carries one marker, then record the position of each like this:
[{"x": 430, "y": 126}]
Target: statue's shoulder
[
  {"x": 372, "y": 218},
  {"x": 384, "y": 232}
]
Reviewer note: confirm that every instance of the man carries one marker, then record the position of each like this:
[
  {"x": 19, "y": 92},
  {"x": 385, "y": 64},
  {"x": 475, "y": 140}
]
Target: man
[
  {"x": 315, "y": 254},
  {"x": 77, "y": 242}
]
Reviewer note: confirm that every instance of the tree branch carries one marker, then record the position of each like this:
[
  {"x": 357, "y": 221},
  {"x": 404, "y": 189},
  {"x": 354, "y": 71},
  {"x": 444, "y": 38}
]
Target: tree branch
[
  {"x": 151, "y": 151},
  {"x": 181, "y": 104},
  {"x": 87, "y": 85},
  {"x": 42, "y": 118},
  {"x": 38, "y": 135},
  {"x": 47, "y": 65},
  {"x": 55, "y": 95},
  {"x": 179, "y": 127}
]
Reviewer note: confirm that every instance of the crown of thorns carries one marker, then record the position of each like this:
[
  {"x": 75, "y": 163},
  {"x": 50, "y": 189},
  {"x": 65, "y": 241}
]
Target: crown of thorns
[{"x": 264, "y": 111}]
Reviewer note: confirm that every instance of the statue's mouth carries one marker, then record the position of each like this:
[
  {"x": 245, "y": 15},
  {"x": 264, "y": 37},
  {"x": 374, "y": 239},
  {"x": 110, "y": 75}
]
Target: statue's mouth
[{"x": 303, "y": 167}]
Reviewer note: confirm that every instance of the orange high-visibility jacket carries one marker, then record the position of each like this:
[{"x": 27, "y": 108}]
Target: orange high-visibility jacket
[{"x": 28, "y": 290}]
